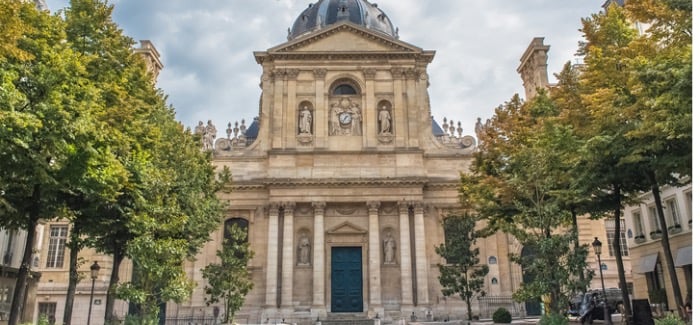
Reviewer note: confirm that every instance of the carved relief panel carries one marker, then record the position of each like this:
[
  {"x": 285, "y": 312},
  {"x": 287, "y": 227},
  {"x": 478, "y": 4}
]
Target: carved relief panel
[{"x": 345, "y": 111}]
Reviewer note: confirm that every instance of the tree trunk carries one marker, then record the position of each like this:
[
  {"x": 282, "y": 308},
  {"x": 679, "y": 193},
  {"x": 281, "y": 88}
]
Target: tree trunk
[
  {"x": 667, "y": 247},
  {"x": 577, "y": 245},
  {"x": 74, "y": 246},
  {"x": 618, "y": 255},
  {"x": 117, "y": 259},
  {"x": 23, "y": 275}
]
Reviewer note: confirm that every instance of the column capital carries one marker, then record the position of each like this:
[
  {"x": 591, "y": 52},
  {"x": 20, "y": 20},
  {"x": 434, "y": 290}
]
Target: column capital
[
  {"x": 289, "y": 207},
  {"x": 370, "y": 73},
  {"x": 403, "y": 207},
  {"x": 417, "y": 206},
  {"x": 319, "y": 207},
  {"x": 273, "y": 207},
  {"x": 292, "y": 74},
  {"x": 278, "y": 74},
  {"x": 397, "y": 73},
  {"x": 320, "y": 73},
  {"x": 373, "y": 206}
]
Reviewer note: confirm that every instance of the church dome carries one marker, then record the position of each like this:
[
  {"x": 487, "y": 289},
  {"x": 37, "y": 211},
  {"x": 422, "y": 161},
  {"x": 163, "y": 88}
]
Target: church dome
[{"x": 328, "y": 12}]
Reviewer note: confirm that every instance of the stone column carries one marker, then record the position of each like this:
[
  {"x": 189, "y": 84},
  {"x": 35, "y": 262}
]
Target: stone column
[
  {"x": 421, "y": 258},
  {"x": 272, "y": 267},
  {"x": 370, "y": 109},
  {"x": 319, "y": 279},
  {"x": 400, "y": 117},
  {"x": 375, "y": 256},
  {"x": 291, "y": 119},
  {"x": 288, "y": 255},
  {"x": 320, "y": 109},
  {"x": 405, "y": 248},
  {"x": 278, "y": 109}
]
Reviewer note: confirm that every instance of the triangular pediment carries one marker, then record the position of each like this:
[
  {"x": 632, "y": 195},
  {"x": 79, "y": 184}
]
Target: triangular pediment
[
  {"x": 345, "y": 37},
  {"x": 347, "y": 228}
]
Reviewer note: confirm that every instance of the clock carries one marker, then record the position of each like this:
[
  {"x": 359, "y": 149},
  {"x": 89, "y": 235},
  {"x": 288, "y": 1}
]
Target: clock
[{"x": 345, "y": 118}]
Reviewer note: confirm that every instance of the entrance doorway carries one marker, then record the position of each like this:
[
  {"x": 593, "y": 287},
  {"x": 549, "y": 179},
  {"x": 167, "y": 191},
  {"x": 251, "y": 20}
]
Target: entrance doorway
[
  {"x": 532, "y": 307},
  {"x": 346, "y": 280}
]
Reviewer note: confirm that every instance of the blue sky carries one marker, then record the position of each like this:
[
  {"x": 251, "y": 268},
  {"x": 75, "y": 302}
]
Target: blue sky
[{"x": 210, "y": 73}]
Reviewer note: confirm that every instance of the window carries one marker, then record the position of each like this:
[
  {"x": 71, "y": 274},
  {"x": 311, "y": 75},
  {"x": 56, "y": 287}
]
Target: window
[
  {"x": 638, "y": 225},
  {"x": 7, "y": 255},
  {"x": 673, "y": 218},
  {"x": 610, "y": 233},
  {"x": 344, "y": 89},
  {"x": 689, "y": 206},
  {"x": 654, "y": 219},
  {"x": 57, "y": 246},
  {"x": 492, "y": 260},
  {"x": 238, "y": 222},
  {"x": 48, "y": 310}
]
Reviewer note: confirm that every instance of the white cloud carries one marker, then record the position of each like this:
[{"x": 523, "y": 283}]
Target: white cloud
[{"x": 210, "y": 72}]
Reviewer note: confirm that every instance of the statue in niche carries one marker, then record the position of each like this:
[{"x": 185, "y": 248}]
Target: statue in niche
[
  {"x": 304, "y": 251},
  {"x": 389, "y": 248},
  {"x": 384, "y": 121},
  {"x": 305, "y": 121}
]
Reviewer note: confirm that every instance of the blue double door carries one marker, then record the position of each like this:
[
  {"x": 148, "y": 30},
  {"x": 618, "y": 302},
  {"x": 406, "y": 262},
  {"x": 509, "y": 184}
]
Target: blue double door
[{"x": 346, "y": 280}]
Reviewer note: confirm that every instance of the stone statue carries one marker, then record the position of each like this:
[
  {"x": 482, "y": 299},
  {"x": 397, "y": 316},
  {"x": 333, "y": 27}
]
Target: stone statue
[
  {"x": 335, "y": 119},
  {"x": 200, "y": 129},
  {"x": 389, "y": 248},
  {"x": 479, "y": 129},
  {"x": 304, "y": 251},
  {"x": 209, "y": 136},
  {"x": 384, "y": 121},
  {"x": 356, "y": 126},
  {"x": 305, "y": 121}
]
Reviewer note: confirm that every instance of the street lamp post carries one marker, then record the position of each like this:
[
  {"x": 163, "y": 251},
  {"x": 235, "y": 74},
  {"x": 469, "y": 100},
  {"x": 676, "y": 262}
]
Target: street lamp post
[
  {"x": 94, "y": 270},
  {"x": 597, "y": 247}
]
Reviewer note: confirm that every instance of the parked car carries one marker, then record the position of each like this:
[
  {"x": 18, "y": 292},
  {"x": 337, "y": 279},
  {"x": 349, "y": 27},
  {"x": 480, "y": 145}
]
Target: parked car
[
  {"x": 613, "y": 295},
  {"x": 592, "y": 308}
]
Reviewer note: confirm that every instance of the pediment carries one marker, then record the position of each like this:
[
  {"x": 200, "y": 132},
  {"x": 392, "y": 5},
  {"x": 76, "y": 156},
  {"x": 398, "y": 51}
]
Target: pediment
[
  {"x": 347, "y": 228},
  {"x": 345, "y": 37}
]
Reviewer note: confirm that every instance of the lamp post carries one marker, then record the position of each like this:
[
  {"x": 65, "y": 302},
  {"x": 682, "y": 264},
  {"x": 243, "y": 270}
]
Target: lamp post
[
  {"x": 597, "y": 247},
  {"x": 94, "y": 270}
]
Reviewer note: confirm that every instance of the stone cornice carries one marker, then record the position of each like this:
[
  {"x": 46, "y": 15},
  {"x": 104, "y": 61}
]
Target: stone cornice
[
  {"x": 264, "y": 184},
  {"x": 355, "y": 56}
]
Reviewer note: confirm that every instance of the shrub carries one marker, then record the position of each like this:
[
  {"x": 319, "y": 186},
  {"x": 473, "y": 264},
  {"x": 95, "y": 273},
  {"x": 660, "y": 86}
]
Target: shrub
[
  {"x": 670, "y": 319},
  {"x": 553, "y": 319},
  {"x": 502, "y": 316}
]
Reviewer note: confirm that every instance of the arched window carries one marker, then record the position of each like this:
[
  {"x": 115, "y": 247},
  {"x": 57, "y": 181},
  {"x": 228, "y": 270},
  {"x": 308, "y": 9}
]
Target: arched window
[
  {"x": 238, "y": 222},
  {"x": 493, "y": 260},
  {"x": 344, "y": 89}
]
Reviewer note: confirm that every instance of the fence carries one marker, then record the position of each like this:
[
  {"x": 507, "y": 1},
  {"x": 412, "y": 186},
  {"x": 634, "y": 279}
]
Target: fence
[
  {"x": 192, "y": 320},
  {"x": 489, "y": 304}
]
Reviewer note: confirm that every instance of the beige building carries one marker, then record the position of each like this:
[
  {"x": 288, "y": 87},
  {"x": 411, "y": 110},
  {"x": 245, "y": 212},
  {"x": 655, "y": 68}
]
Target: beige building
[
  {"x": 341, "y": 182},
  {"x": 650, "y": 270}
]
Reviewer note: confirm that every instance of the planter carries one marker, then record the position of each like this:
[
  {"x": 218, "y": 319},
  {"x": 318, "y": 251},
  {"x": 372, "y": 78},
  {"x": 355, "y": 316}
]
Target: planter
[
  {"x": 640, "y": 239},
  {"x": 656, "y": 234},
  {"x": 674, "y": 229}
]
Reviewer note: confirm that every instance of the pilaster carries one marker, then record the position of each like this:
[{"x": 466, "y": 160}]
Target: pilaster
[
  {"x": 319, "y": 281},
  {"x": 405, "y": 263},
  {"x": 288, "y": 255},
  {"x": 272, "y": 257},
  {"x": 375, "y": 272},
  {"x": 421, "y": 258}
]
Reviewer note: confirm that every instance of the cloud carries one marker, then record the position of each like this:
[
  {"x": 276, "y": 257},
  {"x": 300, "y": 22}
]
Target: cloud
[{"x": 210, "y": 72}]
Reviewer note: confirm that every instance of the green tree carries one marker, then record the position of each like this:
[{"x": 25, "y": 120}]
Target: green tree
[
  {"x": 50, "y": 145},
  {"x": 462, "y": 274},
  {"x": 230, "y": 281},
  {"x": 522, "y": 181}
]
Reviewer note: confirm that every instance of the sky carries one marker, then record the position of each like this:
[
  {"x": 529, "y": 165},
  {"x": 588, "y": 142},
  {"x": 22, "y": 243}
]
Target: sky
[{"x": 210, "y": 73}]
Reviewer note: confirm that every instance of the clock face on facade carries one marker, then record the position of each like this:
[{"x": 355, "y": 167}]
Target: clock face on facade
[{"x": 345, "y": 118}]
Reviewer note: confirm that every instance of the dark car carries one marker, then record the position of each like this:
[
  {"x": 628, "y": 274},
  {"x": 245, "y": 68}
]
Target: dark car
[
  {"x": 592, "y": 308},
  {"x": 613, "y": 295}
]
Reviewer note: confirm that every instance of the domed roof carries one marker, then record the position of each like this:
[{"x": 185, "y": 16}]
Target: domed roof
[{"x": 328, "y": 12}]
